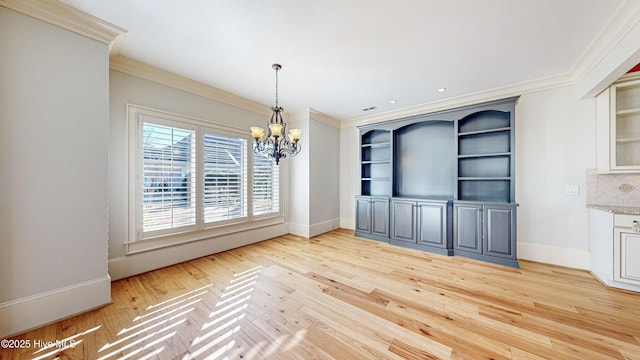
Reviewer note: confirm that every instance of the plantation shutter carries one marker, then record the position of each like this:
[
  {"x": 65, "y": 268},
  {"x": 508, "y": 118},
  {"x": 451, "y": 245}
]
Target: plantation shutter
[
  {"x": 168, "y": 181},
  {"x": 225, "y": 163},
  {"x": 266, "y": 185},
  {"x": 191, "y": 179}
]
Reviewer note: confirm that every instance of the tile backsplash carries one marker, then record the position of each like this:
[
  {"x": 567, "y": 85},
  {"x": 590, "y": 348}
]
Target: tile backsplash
[{"x": 613, "y": 190}]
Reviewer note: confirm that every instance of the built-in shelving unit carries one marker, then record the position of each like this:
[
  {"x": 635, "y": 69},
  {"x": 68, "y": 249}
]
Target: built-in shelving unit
[
  {"x": 484, "y": 157},
  {"x": 442, "y": 182},
  {"x": 375, "y": 163}
]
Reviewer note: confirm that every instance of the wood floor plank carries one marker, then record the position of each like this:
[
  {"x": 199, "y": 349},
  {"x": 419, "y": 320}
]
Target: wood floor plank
[{"x": 340, "y": 297}]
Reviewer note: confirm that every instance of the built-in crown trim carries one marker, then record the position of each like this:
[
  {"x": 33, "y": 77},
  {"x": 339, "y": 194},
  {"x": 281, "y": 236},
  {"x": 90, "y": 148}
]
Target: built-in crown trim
[
  {"x": 145, "y": 71},
  {"x": 68, "y": 18}
]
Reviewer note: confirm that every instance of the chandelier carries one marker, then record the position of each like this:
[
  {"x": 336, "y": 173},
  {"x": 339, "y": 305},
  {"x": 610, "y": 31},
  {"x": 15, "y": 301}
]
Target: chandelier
[{"x": 274, "y": 144}]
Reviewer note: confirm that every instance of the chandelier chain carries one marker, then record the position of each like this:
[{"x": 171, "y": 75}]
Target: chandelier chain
[{"x": 277, "y": 87}]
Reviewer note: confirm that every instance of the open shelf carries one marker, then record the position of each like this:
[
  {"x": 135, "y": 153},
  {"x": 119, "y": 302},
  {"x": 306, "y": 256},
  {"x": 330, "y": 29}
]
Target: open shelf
[
  {"x": 375, "y": 145},
  {"x": 494, "y": 166},
  {"x": 494, "y": 190},
  {"x": 376, "y": 137},
  {"x": 468, "y": 156},
  {"x": 484, "y": 131},
  {"x": 375, "y": 187},
  {"x": 628, "y": 140},
  {"x": 482, "y": 178},
  {"x": 485, "y": 157},
  {"x": 375, "y": 163},
  {"x": 632, "y": 111},
  {"x": 628, "y": 98},
  {"x": 488, "y": 120},
  {"x": 484, "y": 143}
]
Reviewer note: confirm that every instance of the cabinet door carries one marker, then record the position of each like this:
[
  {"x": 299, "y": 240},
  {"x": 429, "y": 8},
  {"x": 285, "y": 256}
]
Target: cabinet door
[
  {"x": 380, "y": 217},
  {"x": 468, "y": 227},
  {"x": 363, "y": 215},
  {"x": 626, "y": 254},
  {"x": 625, "y": 125},
  {"x": 432, "y": 224},
  {"x": 499, "y": 231},
  {"x": 403, "y": 220}
]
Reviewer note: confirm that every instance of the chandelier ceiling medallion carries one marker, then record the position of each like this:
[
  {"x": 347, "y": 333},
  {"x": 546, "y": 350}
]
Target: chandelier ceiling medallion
[{"x": 274, "y": 144}]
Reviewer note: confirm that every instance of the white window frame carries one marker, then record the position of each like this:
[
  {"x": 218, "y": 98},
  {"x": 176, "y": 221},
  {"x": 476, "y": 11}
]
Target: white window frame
[{"x": 136, "y": 242}]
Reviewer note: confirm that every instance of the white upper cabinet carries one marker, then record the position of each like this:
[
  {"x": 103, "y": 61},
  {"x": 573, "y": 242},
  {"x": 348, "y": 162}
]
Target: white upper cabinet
[{"x": 618, "y": 126}]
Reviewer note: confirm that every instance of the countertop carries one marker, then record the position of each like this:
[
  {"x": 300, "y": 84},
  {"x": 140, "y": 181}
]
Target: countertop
[{"x": 617, "y": 209}]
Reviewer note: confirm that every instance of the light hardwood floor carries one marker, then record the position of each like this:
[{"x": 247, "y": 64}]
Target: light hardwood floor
[{"x": 336, "y": 296}]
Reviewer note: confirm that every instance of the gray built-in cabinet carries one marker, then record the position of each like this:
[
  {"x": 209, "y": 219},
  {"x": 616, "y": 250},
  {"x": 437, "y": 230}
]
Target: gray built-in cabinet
[
  {"x": 442, "y": 182},
  {"x": 372, "y": 220}
]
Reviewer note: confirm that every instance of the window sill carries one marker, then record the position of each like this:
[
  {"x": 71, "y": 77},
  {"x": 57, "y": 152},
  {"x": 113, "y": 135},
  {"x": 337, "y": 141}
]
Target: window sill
[{"x": 139, "y": 246}]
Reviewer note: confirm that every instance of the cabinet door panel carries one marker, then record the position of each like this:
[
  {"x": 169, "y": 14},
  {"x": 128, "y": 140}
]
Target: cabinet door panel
[
  {"x": 380, "y": 217},
  {"x": 402, "y": 221},
  {"x": 468, "y": 228},
  {"x": 363, "y": 215},
  {"x": 431, "y": 224},
  {"x": 499, "y": 231},
  {"x": 626, "y": 255}
]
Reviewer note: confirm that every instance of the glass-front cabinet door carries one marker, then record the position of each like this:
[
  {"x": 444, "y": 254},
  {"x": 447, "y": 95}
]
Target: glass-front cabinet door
[
  {"x": 618, "y": 126},
  {"x": 625, "y": 129}
]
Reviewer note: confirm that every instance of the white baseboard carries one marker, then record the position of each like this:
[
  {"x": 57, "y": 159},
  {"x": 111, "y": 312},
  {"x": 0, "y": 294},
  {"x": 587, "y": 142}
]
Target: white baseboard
[
  {"x": 299, "y": 229},
  {"x": 323, "y": 227},
  {"x": 125, "y": 266},
  {"x": 572, "y": 258},
  {"x": 309, "y": 231},
  {"x": 20, "y": 315}
]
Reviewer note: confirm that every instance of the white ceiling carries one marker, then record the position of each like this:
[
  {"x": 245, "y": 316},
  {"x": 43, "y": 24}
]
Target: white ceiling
[{"x": 340, "y": 56}]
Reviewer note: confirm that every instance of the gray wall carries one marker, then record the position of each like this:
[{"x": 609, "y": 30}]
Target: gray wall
[
  {"x": 54, "y": 131},
  {"x": 324, "y": 170},
  {"x": 315, "y": 176}
]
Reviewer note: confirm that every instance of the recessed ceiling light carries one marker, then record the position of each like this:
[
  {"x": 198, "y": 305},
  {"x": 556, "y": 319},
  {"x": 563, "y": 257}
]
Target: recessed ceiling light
[
  {"x": 442, "y": 89},
  {"x": 393, "y": 101},
  {"x": 370, "y": 108}
]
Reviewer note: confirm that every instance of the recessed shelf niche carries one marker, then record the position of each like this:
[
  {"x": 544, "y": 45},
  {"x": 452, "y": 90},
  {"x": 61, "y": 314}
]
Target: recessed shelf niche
[{"x": 423, "y": 165}]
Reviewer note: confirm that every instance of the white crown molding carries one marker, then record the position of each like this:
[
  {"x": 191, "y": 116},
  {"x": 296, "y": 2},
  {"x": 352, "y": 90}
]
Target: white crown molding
[
  {"x": 464, "y": 100},
  {"x": 139, "y": 69},
  {"x": 619, "y": 51},
  {"x": 323, "y": 118},
  {"x": 68, "y": 18},
  {"x": 311, "y": 114},
  {"x": 619, "y": 25}
]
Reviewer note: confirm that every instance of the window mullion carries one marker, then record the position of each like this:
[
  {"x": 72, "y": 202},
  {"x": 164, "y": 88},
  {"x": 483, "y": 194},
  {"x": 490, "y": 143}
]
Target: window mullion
[
  {"x": 200, "y": 178},
  {"x": 249, "y": 171}
]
